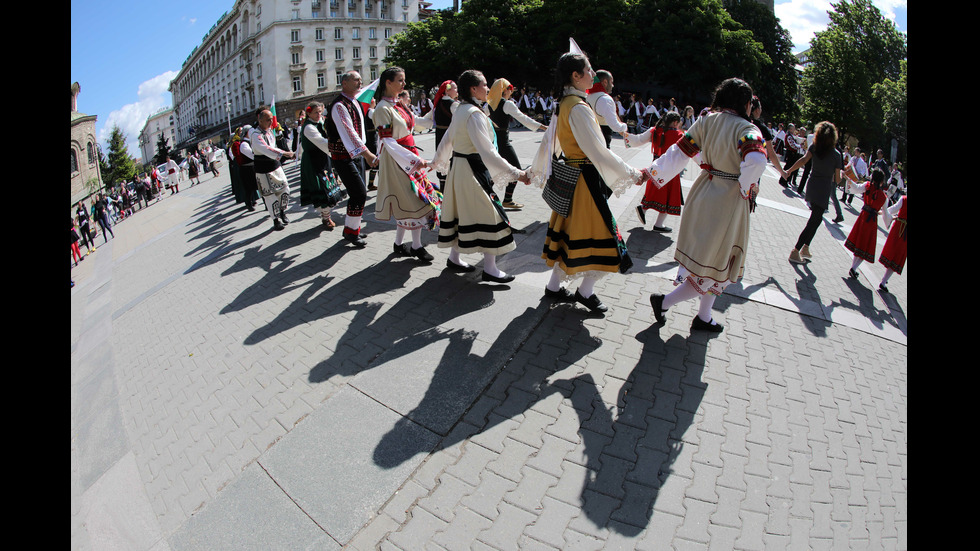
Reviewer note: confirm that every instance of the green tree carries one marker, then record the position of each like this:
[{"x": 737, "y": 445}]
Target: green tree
[
  {"x": 893, "y": 95},
  {"x": 778, "y": 83},
  {"x": 119, "y": 165},
  {"x": 163, "y": 150},
  {"x": 859, "y": 49}
]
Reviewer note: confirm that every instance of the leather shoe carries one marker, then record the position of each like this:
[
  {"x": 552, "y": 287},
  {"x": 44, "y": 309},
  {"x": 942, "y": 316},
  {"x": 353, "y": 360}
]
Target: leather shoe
[
  {"x": 285, "y": 220},
  {"x": 421, "y": 254},
  {"x": 561, "y": 295},
  {"x": 662, "y": 229},
  {"x": 507, "y": 278},
  {"x": 852, "y": 274},
  {"x": 453, "y": 267},
  {"x": 709, "y": 326},
  {"x": 641, "y": 214},
  {"x": 592, "y": 303},
  {"x": 277, "y": 225},
  {"x": 355, "y": 240},
  {"x": 328, "y": 223},
  {"x": 657, "y": 301}
]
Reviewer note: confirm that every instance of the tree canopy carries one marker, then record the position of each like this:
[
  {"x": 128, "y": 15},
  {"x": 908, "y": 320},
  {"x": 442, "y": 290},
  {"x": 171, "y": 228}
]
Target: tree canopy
[
  {"x": 688, "y": 45},
  {"x": 859, "y": 50},
  {"x": 118, "y": 165}
]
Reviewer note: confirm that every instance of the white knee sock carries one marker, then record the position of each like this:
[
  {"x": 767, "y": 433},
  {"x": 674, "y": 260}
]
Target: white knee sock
[
  {"x": 661, "y": 219},
  {"x": 683, "y": 292},
  {"x": 555, "y": 282},
  {"x": 454, "y": 257},
  {"x": 417, "y": 238},
  {"x": 888, "y": 275},
  {"x": 490, "y": 265},
  {"x": 857, "y": 262},
  {"x": 704, "y": 310},
  {"x": 399, "y": 235},
  {"x": 352, "y": 222},
  {"x": 586, "y": 289}
]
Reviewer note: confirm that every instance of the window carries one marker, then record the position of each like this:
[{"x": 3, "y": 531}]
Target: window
[
  {"x": 340, "y": 75},
  {"x": 295, "y": 58},
  {"x": 297, "y": 84},
  {"x": 258, "y": 70},
  {"x": 373, "y": 51},
  {"x": 388, "y": 32},
  {"x": 91, "y": 153},
  {"x": 338, "y": 33},
  {"x": 374, "y": 72},
  {"x": 355, "y": 53},
  {"x": 321, "y": 80},
  {"x": 372, "y": 33},
  {"x": 319, "y": 33},
  {"x": 261, "y": 94},
  {"x": 294, "y": 36},
  {"x": 356, "y": 33},
  {"x": 74, "y": 161},
  {"x": 338, "y": 53},
  {"x": 295, "y": 15},
  {"x": 321, "y": 55}
]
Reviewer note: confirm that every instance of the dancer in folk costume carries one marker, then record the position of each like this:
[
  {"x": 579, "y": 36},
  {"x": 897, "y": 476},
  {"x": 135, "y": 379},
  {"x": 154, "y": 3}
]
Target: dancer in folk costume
[
  {"x": 404, "y": 191},
  {"x": 896, "y": 247},
  {"x": 667, "y": 200},
  {"x": 587, "y": 242},
  {"x": 269, "y": 175},
  {"x": 502, "y": 112},
  {"x": 605, "y": 108},
  {"x": 864, "y": 234},
  {"x": 714, "y": 236},
  {"x": 473, "y": 220}
]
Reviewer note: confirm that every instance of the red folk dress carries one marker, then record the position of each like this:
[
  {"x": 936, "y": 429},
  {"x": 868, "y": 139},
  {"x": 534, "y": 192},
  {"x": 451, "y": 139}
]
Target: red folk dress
[
  {"x": 894, "y": 253},
  {"x": 864, "y": 235},
  {"x": 669, "y": 198}
]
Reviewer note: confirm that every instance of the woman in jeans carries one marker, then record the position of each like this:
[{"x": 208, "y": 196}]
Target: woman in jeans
[{"x": 824, "y": 175}]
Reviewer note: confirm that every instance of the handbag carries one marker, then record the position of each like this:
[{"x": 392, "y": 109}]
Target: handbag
[
  {"x": 560, "y": 187},
  {"x": 336, "y": 192}
]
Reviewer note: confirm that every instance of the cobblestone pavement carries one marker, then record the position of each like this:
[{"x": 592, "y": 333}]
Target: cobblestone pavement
[{"x": 239, "y": 388}]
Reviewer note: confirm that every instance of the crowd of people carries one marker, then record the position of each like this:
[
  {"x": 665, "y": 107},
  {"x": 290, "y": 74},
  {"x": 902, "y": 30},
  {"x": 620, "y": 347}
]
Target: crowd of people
[{"x": 348, "y": 148}]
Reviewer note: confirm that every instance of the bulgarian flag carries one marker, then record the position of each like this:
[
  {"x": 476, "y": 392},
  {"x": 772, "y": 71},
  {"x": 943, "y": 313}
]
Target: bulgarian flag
[
  {"x": 366, "y": 94},
  {"x": 275, "y": 120}
]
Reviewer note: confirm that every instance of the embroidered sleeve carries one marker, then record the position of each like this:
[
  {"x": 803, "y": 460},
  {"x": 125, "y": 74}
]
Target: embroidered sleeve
[
  {"x": 348, "y": 135},
  {"x": 751, "y": 141},
  {"x": 688, "y": 145}
]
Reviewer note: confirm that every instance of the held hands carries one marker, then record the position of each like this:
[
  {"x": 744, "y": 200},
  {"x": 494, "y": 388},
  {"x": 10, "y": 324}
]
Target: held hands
[
  {"x": 645, "y": 175},
  {"x": 524, "y": 178}
]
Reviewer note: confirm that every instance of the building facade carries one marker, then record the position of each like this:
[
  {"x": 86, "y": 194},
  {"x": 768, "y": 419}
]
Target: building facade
[
  {"x": 85, "y": 175},
  {"x": 287, "y": 50},
  {"x": 161, "y": 123}
]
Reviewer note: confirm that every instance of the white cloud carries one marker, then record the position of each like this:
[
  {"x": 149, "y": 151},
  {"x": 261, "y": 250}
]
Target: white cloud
[
  {"x": 152, "y": 95},
  {"x": 804, "y": 18}
]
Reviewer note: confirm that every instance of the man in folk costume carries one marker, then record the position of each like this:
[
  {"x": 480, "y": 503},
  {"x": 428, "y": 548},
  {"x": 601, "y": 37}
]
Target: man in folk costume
[
  {"x": 271, "y": 179},
  {"x": 173, "y": 175},
  {"x": 314, "y": 160},
  {"x": 605, "y": 107},
  {"x": 346, "y": 142}
]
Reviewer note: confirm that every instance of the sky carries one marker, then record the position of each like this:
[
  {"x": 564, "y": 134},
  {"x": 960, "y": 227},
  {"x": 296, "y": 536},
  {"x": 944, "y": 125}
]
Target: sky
[{"x": 124, "y": 53}]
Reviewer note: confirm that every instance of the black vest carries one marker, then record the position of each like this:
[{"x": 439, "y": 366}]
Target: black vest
[
  {"x": 318, "y": 158},
  {"x": 501, "y": 122},
  {"x": 334, "y": 143}
]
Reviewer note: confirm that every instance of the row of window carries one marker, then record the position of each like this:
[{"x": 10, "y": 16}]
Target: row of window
[
  {"x": 321, "y": 78},
  {"x": 296, "y": 58},
  {"x": 338, "y": 34}
]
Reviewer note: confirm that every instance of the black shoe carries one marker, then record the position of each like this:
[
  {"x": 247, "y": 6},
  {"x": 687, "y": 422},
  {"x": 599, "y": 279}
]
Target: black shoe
[
  {"x": 838, "y": 220},
  {"x": 662, "y": 229},
  {"x": 592, "y": 303},
  {"x": 641, "y": 214},
  {"x": 494, "y": 279},
  {"x": 285, "y": 220},
  {"x": 277, "y": 225},
  {"x": 852, "y": 274},
  {"x": 561, "y": 295},
  {"x": 882, "y": 288},
  {"x": 421, "y": 254},
  {"x": 401, "y": 250},
  {"x": 657, "y": 301},
  {"x": 709, "y": 326},
  {"x": 355, "y": 240},
  {"x": 456, "y": 268}
]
